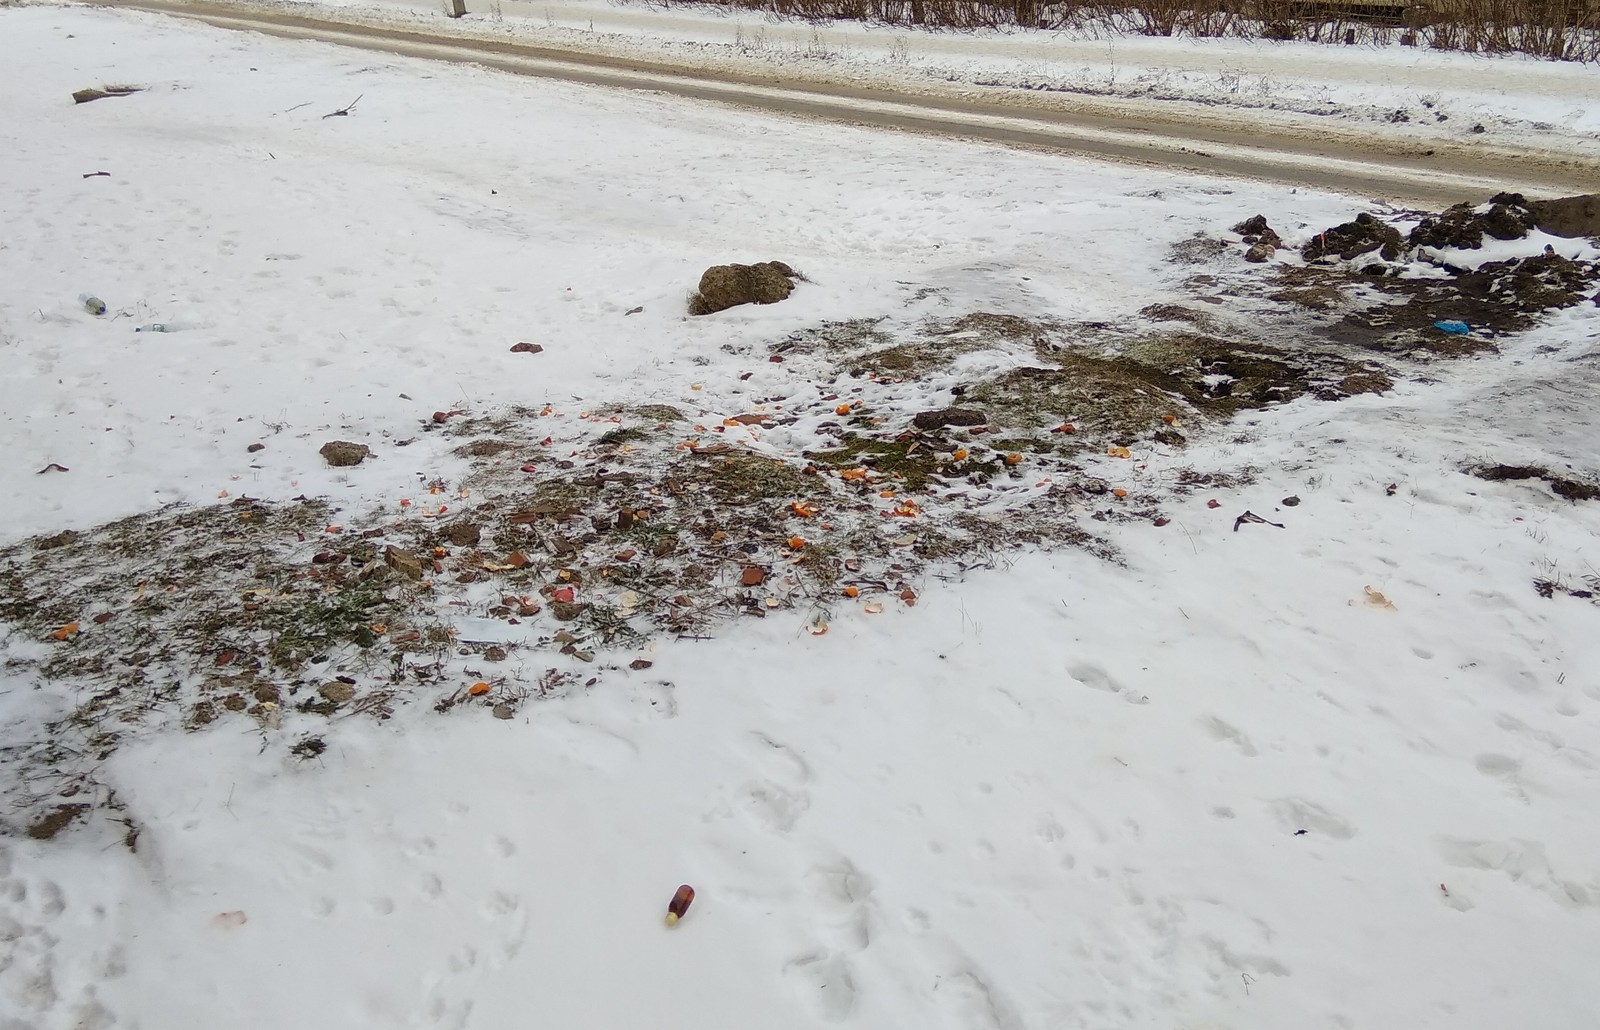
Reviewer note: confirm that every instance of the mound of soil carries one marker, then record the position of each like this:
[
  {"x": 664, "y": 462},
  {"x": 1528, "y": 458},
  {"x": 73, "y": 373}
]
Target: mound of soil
[
  {"x": 1257, "y": 232},
  {"x": 1531, "y": 285},
  {"x": 1353, "y": 239},
  {"x": 1561, "y": 486},
  {"x": 1462, "y": 227},
  {"x": 342, "y": 453},
  {"x": 726, "y": 286},
  {"x": 1571, "y": 217}
]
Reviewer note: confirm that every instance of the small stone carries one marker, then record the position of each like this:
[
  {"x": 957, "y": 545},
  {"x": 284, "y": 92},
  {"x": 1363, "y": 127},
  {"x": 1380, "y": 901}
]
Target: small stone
[
  {"x": 341, "y": 453},
  {"x": 640, "y": 664},
  {"x": 337, "y": 692},
  {"x": 265, "y": 692},
  {"x": 566, "y": 611},
  {"x": 503, "y": 711},
  {"x": 403, "y": 562},
  {"x": 1259, "y": 253},
  {"x": 665, "y": 546},
  {"x": 253, "y": 448},
  {"x": 1290, "y": 502},
  {"x": 753, "y": 576},
  {"x": 463, "y": 534},
  {"x": 526, "y": 348},
  {"x": 495, "y": 654}
]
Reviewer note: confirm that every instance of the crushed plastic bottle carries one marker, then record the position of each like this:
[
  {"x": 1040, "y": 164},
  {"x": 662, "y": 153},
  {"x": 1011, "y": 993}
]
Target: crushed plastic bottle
[
  {"x": 154, "y": 327},
  {"x": 92, "y": 304}
]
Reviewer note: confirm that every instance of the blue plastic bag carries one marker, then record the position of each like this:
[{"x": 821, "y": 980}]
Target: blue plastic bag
[{"x": 1453, "y": 327}]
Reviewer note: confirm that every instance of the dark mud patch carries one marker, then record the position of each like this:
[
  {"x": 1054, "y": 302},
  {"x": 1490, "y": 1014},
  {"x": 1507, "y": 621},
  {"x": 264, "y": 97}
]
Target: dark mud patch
[{"x": 1571, "y": 488}]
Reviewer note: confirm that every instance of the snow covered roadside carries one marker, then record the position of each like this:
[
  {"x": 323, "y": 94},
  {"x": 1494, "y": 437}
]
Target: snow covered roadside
[
  {"x": 1402, "y": 92},
  {"x": 1066, "y": 793}
]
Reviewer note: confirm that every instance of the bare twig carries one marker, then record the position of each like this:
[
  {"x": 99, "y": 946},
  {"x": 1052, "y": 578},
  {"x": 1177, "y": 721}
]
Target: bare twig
[{"x": 346, "y": 109}]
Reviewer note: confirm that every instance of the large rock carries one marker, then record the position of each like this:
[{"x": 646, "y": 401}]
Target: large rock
[
  {"x": 1571, "y": 217},
  {"x": 726, "y": 286},
  {"x": 339, "y": 453}
]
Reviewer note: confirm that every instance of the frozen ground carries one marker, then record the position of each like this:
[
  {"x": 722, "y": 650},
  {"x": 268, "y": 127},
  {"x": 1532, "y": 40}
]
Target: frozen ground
[
  {"x": 1059, "y": 793},
  {"x": 1402, "y": 92}
]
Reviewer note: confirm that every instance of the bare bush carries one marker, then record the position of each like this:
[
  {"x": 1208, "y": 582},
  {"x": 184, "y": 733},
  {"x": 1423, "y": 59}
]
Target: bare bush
[{"x": 1561, "y": 30}]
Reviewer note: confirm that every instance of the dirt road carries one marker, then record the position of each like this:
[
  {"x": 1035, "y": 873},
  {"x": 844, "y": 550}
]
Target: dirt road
[{"x": 1288, "y": 149}]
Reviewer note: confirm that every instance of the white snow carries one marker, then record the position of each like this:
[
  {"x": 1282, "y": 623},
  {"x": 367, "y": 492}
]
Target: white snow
[{"x": 1061, "y": 793}]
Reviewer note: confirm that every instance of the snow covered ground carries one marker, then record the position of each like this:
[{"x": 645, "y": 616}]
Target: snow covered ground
[
  {"x": 1221, "y": 786},
  {"x": 1405, "y": 92}
]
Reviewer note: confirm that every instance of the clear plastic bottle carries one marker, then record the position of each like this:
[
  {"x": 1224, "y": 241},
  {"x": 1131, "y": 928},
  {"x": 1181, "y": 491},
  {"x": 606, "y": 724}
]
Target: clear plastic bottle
[
  {"x": 154, "y": 327},
  {"x": 92, "y": 304}
]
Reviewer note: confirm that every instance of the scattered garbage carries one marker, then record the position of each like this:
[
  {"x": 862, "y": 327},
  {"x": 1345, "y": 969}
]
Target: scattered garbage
[
  {"x": 52, "y": 467},
  {"x": 92, "y": 304},
  {"x": 1453, "y": 327},
  {"x": 679, "y": 904}
]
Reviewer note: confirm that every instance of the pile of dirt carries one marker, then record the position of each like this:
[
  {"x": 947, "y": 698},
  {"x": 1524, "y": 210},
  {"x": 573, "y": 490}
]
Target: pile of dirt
[
  {"x": 1569, "y": 217},
  {"x": 725, "y": 286},
  {"x": 1259, "y": 237},
  {"x": 1463, "y": 227},
  {"x": 1386, "y": 294},
  {"x": 1562, "y": 486},
  {"x": 1364, "y": 235}
]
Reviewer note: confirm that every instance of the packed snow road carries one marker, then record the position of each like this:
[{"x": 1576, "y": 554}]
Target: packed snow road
[{"x": 1298, "y": 150}]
